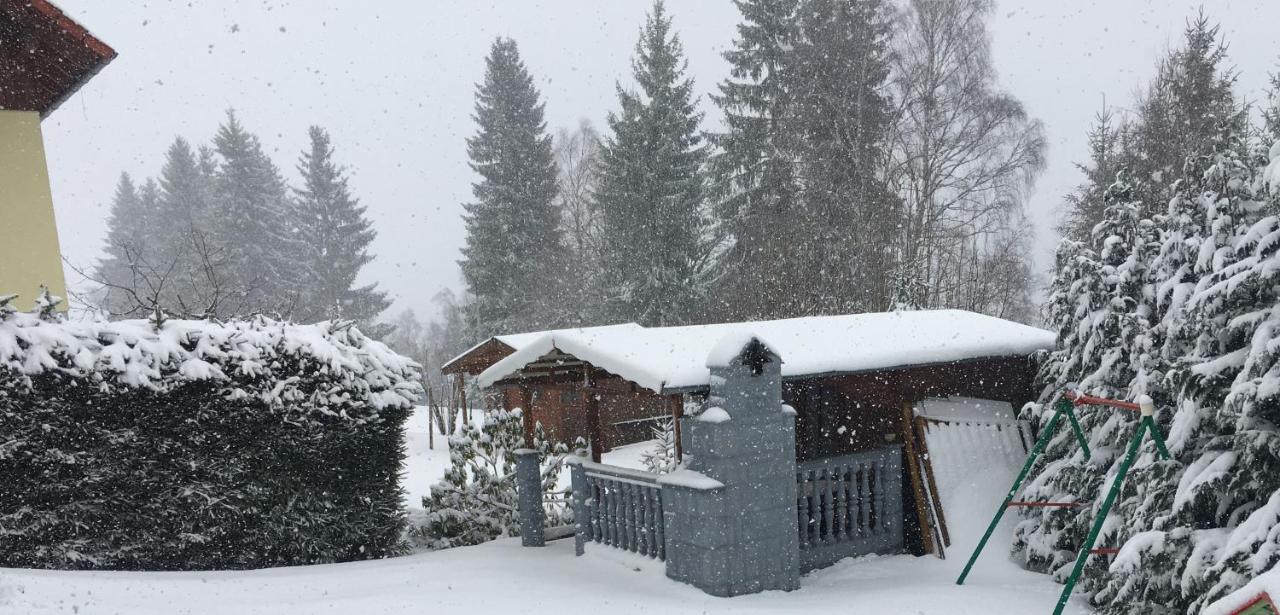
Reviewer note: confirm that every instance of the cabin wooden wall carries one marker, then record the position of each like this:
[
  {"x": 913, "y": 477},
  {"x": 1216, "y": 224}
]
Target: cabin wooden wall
[
  {"x": 627, "y": 412},
  {"x": 848, "y": 413}
]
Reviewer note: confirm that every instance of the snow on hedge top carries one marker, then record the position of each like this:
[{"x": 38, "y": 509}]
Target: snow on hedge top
[
  {"x": 134, "y": 353},
  {"x": 674, "y": 358}
]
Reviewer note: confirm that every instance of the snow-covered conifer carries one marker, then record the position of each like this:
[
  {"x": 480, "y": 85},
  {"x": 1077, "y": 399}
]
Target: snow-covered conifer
[
  {"x": 650, "y": 196},
  {"x": 513, "y": 254}
]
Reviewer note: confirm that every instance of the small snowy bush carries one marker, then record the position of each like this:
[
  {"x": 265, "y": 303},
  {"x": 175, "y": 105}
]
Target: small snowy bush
[
  {"x": 185, "y": 445},
  {"x": 476, "y": 501}
]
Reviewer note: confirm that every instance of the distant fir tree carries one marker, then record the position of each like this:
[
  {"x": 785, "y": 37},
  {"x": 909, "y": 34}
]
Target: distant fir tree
[
  {"x": 182, "y": 238},
  {"x": 1084, "y": 207},
  {"x": 650, "y": 198},
  {"x": 513, "y": 259},
  {"x": 1271, "y": 108},
  {"x": 252, "y": 220},
  {"x": 334, "y": 236},
  {"x": 754, "y": 181},
  {"x": 1189, "y": 104},
  {"x": 133, "y": 214}
]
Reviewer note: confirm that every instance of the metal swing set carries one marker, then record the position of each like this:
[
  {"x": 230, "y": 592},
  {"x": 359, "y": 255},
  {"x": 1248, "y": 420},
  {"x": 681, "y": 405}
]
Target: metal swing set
[{"x": 1065, "y": 407}]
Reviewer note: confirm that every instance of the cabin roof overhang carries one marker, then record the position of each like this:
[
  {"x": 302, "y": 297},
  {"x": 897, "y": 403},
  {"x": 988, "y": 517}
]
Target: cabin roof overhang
[
  {"x": 675, "y": 359},
  {"x": 45, "y": 56}
]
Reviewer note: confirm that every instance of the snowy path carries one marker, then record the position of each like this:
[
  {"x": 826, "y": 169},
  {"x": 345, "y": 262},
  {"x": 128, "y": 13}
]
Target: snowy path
[{"x": 502, "y": 578}]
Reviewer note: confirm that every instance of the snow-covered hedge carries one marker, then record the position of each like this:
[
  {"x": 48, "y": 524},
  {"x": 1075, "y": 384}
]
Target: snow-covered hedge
[{"x": 197, "y": 445}]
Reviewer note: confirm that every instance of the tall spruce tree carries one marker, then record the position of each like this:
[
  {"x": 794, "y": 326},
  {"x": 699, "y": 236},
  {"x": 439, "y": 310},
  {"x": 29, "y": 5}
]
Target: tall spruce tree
[
  {"x": 753, "y": 168},
  {"x": 513, "y": 256},
  {"x": 654, "y": 228},
  {"x": 253, "y": 221},
  {"x": 842, "y": 116},
  {"x": 334, "y": 236}
]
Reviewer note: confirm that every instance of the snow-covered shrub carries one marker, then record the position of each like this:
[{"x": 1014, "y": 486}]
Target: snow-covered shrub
[
  {"x": 1203, "y": 339},
  {"x": 476, "y": 501},
  {"x": 661, "y": 456},
  {"x": 198, "y": 445}
]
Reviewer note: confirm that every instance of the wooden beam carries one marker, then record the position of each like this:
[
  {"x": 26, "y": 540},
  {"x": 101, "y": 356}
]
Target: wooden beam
[
  {"x": 677, "y": 411},
  {"x": 526, "y": 414},
  {"x": 593, "y": 418},
  {"x": 913, "y": 471},
  {"x": 921, "y": 431}
]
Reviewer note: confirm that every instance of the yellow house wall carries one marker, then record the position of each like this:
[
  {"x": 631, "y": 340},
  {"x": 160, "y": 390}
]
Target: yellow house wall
[{"x": 29, "y": 255}]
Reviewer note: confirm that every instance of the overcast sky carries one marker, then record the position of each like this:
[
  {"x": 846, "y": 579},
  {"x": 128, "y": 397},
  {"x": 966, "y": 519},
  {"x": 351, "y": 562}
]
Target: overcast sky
[{"x": 393, "y": 82}]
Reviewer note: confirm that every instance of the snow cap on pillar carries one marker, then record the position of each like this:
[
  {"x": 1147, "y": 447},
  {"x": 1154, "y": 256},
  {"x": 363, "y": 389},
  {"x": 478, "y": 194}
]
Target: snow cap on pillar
[{"x": 741, "y": 347}]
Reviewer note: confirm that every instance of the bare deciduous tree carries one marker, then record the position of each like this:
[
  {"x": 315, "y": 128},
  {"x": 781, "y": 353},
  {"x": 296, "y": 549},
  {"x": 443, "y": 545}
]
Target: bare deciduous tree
[
  {"x": 193, "y": 280},
  {"x": 964, "y": 153}
]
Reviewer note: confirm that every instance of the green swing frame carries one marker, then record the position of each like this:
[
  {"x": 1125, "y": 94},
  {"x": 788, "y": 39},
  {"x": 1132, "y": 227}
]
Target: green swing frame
[{"x": 1065, "y": 406}]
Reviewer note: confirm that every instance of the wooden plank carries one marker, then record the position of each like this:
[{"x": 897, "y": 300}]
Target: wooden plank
[
  {"x": 913, "y": 471},
  {"x": 677, "y": 412},
  {"x": 921, "y": 431}
]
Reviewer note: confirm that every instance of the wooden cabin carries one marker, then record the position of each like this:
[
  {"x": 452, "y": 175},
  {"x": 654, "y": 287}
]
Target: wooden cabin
[
  {"x": 857, "y": 382},
  {"x": 849, "y": 377}
]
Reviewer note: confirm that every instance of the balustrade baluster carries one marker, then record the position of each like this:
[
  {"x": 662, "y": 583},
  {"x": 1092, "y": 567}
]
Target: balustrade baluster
[
  {"x": 842, "y": 504},
  {"x": 864, "y": 499},
  {"x": 828, "y": 508}
]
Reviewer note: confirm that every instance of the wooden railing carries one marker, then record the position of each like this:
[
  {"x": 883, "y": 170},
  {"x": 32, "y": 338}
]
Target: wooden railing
[
  {"x": 618, "y": 507},
  {"x": 849, "y": 505}
]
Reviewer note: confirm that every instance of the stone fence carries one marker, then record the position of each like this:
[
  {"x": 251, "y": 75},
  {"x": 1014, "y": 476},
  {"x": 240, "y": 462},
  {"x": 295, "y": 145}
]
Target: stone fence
[{"x": 739, "y": 516}]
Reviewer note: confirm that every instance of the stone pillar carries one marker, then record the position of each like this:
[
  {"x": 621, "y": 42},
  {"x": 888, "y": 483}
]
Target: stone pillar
[
  {"x": 529, "y": 489},
  {"x": 730, "y": 512}
]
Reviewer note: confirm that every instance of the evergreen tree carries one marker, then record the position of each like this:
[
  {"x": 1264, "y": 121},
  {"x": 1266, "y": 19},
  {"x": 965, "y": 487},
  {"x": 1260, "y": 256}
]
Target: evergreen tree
[
  {"x": 753, "y": 168},
  {"x": 661, "y": 456},
  {"x": 252, "y": 219},
  {"x": 476, "y": 501},
  {"x": 1271, "y": 109},
  {"x": 654, "y": 230},
  {"x": 1084, "y": 206},
  {"x": 132, "y": 215},
  {"x": 843, "y": 115},
  {"x": 1100, "y": 303},
  {"x": 334, "y": 235},
  {"x": 1189, "y": 104},
  {"x": 181, "y": 237},
  {"x": 512, "y": 259},
  {"x": 185, "y": 192}
]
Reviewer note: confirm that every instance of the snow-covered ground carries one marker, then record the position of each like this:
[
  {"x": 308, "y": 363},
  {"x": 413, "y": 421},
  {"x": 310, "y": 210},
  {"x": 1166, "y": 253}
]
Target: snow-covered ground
[{"x": 502, "y": 578}]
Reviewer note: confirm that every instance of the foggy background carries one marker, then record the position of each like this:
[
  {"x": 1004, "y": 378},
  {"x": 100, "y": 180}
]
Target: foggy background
[{"x": 393, "y": 82}]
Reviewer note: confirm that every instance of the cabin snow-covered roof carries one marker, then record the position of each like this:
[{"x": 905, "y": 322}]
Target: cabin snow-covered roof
[{"x": 675, "y": 358}]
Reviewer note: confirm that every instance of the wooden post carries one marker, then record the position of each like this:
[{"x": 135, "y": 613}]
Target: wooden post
[
  {"x": 921, "y": 432},
  {"x": 526, "y": 414},
  {"x": 462, "y": 398},
  {"x": 593, "y": 417},
  {"x": 676, "y": 403},
  {"x": 913, "y": 470},
  {"x": 431, "y": 416}
]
